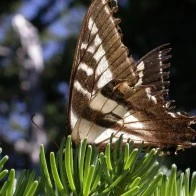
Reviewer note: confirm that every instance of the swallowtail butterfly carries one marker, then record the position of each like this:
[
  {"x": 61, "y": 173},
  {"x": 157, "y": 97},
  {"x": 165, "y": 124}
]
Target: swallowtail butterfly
[{"x": 110, "y": 93}]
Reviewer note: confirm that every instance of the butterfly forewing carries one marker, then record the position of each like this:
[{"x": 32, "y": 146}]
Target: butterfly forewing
[
  {"x": 99, "y": 58},
  {"x": 110, "y": 94}
]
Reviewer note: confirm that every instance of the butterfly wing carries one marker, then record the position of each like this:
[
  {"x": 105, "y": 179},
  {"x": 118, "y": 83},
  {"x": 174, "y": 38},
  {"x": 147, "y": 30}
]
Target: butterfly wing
[
  {"x": 140, "y": 116},
  {"x": 100, "y": 57},
  {"x": 152, "y": 68},
  {"x": 113, "y": 95}
]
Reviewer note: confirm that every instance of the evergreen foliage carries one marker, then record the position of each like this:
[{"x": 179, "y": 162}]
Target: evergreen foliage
[{"x": 83, "y": 170}]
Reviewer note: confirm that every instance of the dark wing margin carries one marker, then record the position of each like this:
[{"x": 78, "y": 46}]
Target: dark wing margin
[{"x": 100, "y": 57}]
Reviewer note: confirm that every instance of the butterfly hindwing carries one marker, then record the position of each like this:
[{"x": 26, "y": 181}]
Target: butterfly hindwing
[
  {"x": 135, "y": 113},
  {"x": 152, "y": 68}
]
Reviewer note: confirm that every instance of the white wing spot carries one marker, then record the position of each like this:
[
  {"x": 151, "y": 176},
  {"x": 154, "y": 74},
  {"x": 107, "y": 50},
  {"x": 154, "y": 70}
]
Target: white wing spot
[
  {"x": 97, "y": 43},
  {"x": 83, "y": 46},
  {"x": 107, "y": 10},
  {"x": 74, "y": 118},
  {"x": 79, "y": 87},
  {"x": 139, "y": 82},
  {"x": 84, "y": 67},
  {"x": 91, "y": 49},
  {"x": 172, "y": 114},
  {"x": 92, "y": 27},
  {"x": 140, "y": 67}
]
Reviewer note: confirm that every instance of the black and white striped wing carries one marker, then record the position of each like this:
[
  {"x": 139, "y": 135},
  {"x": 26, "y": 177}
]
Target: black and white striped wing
[
  {"x": 110, "y": 94},
  {"x": 100, "y": 57}
]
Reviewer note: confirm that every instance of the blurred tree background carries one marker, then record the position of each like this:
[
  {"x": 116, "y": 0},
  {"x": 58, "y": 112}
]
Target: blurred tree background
[{"x": 145, "y": 24}]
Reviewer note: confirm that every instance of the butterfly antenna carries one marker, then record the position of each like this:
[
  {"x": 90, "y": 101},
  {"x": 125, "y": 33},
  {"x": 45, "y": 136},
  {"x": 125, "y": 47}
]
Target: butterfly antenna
[{"x": 34, "y": 123}]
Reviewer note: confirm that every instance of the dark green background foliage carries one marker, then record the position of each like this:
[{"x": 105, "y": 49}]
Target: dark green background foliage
[{"x": 145, "y": 25}]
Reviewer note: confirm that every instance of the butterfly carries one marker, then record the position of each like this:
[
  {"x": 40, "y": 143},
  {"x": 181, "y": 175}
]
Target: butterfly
[{"x": 111, "y": 94}]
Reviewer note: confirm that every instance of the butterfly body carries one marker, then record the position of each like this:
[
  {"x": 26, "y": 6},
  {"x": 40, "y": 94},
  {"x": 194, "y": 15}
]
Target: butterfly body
[{"x": 111, "y": 94}]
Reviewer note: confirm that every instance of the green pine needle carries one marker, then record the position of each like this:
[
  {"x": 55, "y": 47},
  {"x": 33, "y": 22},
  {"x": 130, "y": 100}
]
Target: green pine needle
[{"x": 82, "y": 170}]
